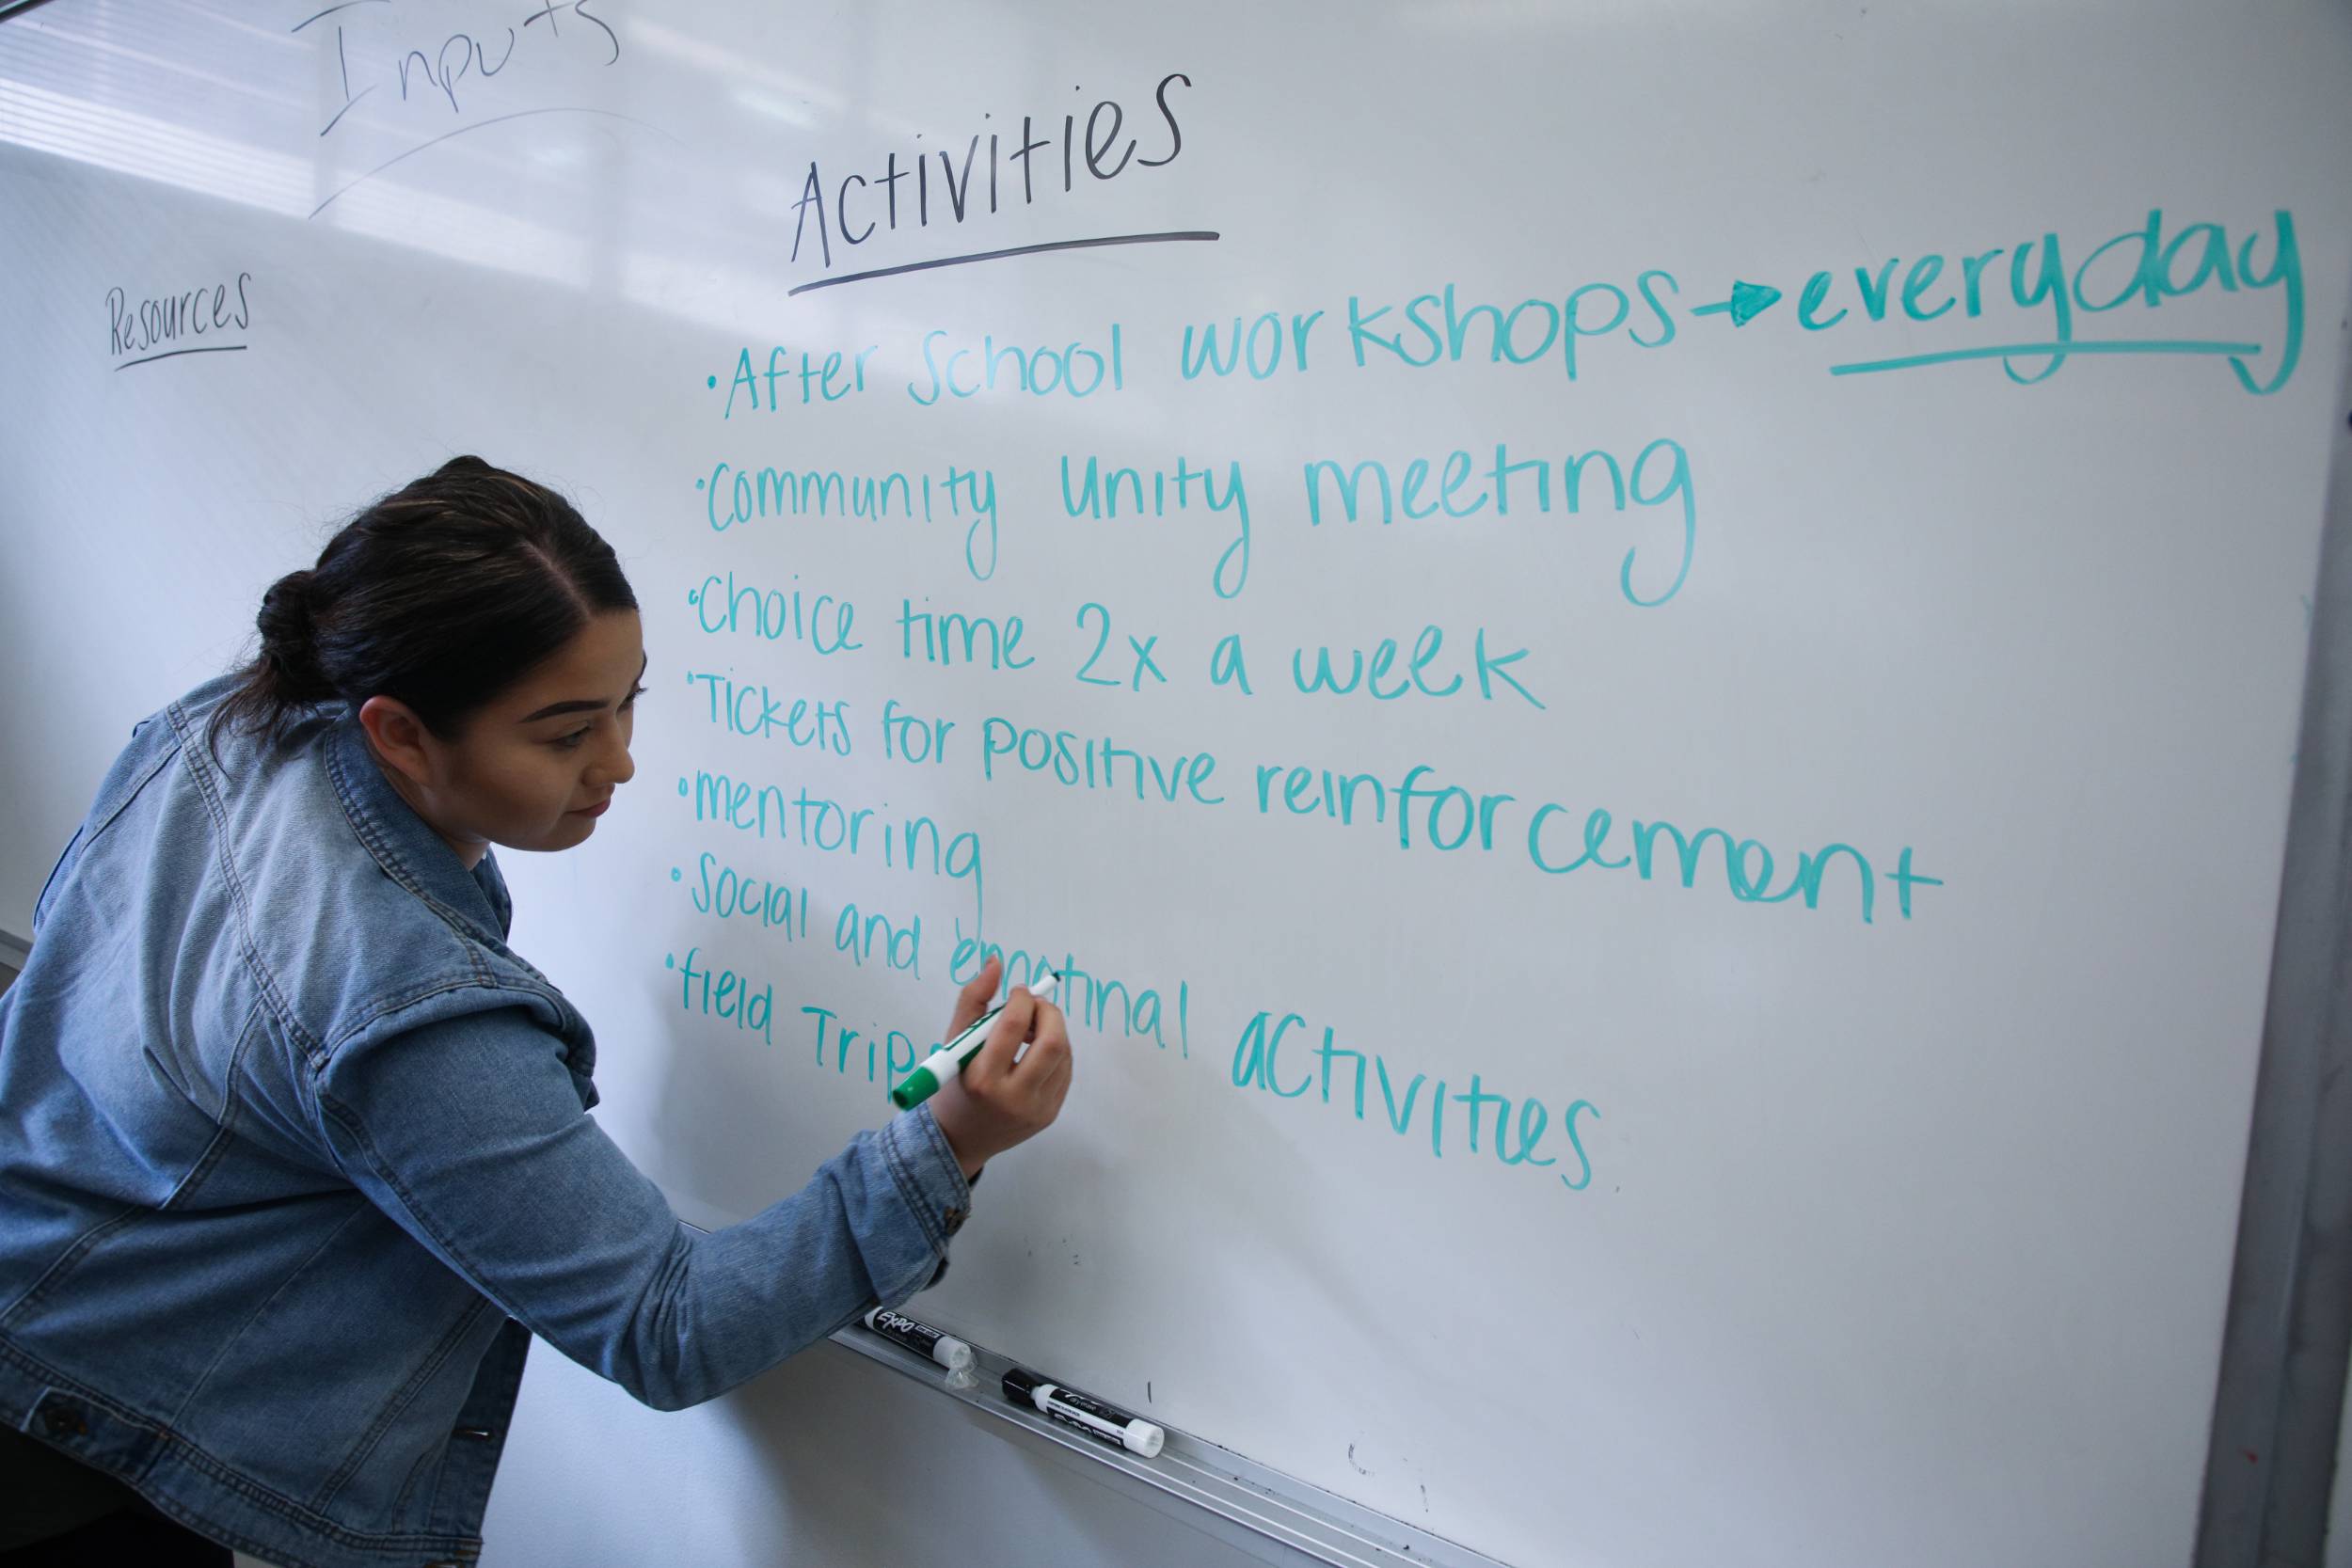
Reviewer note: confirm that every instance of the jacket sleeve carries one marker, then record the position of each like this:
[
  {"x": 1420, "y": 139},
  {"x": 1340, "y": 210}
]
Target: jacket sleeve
[{"x": 468, "y": 1131}]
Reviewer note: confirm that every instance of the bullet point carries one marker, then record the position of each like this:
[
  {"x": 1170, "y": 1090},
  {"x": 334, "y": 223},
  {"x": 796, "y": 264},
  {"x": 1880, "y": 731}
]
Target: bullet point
[
  {"x": 693, "y": 595},
  {"x": 682, "y": 787},
  {"x": 700, "y": 483},
  {"x": 669, "y": 960},
  {"x": 710, "y": 381},
  {"x": 675, "y": 875}
]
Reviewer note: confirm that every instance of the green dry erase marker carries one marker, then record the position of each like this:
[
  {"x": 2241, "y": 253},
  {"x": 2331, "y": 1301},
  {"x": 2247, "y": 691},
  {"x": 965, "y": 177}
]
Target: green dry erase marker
[{"x": 949, "y": 1060}]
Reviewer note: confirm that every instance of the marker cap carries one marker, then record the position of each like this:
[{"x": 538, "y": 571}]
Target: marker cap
[{"x": 919, "y": 1086}]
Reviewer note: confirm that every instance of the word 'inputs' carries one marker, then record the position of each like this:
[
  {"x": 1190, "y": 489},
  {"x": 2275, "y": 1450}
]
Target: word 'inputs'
[{"x": 453, "y": 73}]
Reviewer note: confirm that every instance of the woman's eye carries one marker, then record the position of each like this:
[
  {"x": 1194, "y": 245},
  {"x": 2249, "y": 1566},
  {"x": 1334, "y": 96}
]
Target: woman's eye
[{"x": 570, "y": 742}]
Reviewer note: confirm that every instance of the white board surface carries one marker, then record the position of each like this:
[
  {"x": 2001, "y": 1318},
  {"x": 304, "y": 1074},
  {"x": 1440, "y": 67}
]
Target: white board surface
[
  {"x": 1841, "y": 1240},
  {"x": 2339, "y": 1538}
]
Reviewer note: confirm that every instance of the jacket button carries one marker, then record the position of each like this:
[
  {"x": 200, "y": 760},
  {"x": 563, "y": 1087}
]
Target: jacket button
[
  {"x": 63, "y": 1420},
  {"x": 954, "y": 1220}
]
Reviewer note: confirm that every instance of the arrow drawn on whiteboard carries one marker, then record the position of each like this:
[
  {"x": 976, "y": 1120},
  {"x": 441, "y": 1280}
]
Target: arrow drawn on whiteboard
[
  {"x": 1747, "y": 302},
  {"x": 479, "y": 124}
]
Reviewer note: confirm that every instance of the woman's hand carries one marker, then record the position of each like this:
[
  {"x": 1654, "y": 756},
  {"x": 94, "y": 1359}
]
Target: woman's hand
[{"x": 997, "y": 1102}]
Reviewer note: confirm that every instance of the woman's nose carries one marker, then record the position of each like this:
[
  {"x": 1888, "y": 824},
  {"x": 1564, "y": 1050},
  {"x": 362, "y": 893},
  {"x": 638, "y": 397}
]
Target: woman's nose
[{"x": 617, "y": 765}]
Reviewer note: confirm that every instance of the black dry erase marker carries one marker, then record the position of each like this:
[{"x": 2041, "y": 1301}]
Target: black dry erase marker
[
  {"x": 1102, "y": 1422},
  {"x": 922, "y": 1338}
]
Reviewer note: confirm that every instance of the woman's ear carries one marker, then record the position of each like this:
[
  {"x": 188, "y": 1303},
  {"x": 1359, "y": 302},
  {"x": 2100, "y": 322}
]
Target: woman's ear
[{"x": 400, "y": 738}]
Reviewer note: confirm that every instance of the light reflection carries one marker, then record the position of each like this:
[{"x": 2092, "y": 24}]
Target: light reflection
[
  {"x": 775, "y": 108},
  {"x": 65, "y": 87},
  {"x": 708, "y": 60},
  {"x": 130, "y": 143},
  {"x": 465, "y": 231},
  {"x": 591, "y": 198}
]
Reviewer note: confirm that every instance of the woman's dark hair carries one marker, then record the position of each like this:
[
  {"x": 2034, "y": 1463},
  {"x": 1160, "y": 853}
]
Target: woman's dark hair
[{"x": 443, "y": 594}]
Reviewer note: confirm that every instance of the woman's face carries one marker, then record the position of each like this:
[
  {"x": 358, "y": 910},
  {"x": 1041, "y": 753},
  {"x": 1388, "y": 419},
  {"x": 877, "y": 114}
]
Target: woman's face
[{"x": 536, "y": 767}]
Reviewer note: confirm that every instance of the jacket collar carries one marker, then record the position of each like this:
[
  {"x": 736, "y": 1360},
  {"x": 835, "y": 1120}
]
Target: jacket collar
[{"x": 405, "y": 846}]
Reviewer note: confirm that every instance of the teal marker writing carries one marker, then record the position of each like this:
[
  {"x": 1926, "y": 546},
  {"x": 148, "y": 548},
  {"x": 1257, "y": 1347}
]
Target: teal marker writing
[{"x": 947, "y": 1061}]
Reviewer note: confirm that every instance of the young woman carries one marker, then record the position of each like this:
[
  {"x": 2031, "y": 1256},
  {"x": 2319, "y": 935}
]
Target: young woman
[{"x": 295, "y": 1151}]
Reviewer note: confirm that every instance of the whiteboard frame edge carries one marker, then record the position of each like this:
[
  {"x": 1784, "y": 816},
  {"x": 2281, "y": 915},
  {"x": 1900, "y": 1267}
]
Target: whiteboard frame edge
[
  {"x": 2278, "y": 1397},
  {"x": 1234, "y": 1500}
]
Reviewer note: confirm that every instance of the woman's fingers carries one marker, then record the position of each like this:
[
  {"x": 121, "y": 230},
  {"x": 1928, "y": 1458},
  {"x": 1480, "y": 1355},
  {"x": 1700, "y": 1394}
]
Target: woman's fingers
[
  {"x": 1056, "y": 1089},
  {"x": 1013, "y": 1087},
  {"x": 996, "y": 1060},
  {"x": 973, "y": 1000},
  {"x": 1048, "y": 1037}
]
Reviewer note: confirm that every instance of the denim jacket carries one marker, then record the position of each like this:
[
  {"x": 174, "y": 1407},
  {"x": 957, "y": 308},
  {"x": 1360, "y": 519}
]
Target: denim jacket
[{"x": 295, "y": 1158}]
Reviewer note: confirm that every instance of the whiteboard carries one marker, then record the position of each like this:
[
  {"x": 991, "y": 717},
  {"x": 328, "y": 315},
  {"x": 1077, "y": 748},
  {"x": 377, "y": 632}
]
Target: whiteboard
[
  {"x": 1882, "y": 1200},
  {"x": 2339, "y": 1538}
]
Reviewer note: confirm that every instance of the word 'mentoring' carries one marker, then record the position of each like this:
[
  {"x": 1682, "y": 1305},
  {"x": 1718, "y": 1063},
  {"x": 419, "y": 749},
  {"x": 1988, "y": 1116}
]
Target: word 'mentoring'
[{"x": 824, "y": 826}]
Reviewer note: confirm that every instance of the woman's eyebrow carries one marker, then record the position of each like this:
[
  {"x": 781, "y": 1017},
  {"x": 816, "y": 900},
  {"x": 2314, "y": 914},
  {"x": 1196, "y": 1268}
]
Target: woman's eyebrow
[{"x": 581, "y": 704}]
